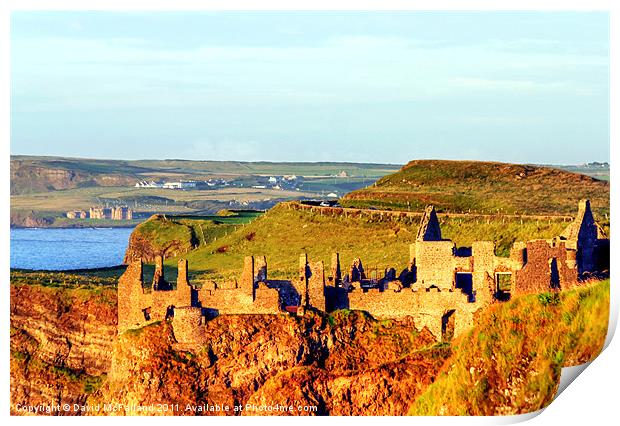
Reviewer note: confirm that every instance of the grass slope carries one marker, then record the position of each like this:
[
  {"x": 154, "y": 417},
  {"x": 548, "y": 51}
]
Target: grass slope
[
  {"x": 463, "y": 186},
  {"x": 510, "y": 363}
]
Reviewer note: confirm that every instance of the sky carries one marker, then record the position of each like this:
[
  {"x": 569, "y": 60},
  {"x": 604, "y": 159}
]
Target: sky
[{"x": 388, "y": 87}]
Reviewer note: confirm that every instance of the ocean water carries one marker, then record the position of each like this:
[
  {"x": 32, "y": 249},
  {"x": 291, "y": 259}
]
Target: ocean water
[{"x": 60, "y": 249}]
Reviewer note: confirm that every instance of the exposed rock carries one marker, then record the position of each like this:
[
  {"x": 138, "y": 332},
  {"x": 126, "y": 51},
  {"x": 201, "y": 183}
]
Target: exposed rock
[
  {"x": 61, "y": 343},
  {"x": 277, "y": 359}
]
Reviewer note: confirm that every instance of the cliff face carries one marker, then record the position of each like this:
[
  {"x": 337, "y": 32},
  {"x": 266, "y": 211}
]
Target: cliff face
[
  {"x": 28, "y": 177},
  {"x": 61, "y": 343},
  {"x": 343, "y": 364},
  {"x": 64, "y": 349},
  {"x": 29, "y": 219}
]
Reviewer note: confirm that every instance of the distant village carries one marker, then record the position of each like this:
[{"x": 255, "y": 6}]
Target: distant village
[
  {"x": 112, "y": 213},
  {"x": 283, "y": 183},
  {"x": 260, "y": 182},
  {"x": 276, "y": 182}
]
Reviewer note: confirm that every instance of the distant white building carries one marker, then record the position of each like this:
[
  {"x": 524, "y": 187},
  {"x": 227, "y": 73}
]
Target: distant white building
[
  {"x": 148, "y": 184},
  {"x": 179, "y": 185},
  {"x": 272, "y": 179},
  {"x": 332, "y": 195}
]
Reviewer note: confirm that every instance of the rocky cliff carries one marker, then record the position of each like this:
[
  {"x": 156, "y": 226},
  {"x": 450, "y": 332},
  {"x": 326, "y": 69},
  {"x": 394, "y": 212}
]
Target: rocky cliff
[
  {"x": 61, "y": 343},
  {"x": 344, "y": 364},
  {"x": 28, "y": 176},
  {"x": 64, "y": 349}
]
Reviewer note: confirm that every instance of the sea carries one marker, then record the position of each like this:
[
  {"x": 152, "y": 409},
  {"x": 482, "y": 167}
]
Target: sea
[{"x": 68, "y": 248}]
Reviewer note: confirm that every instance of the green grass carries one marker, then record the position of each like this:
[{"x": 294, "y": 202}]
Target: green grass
[
  {"x": 510, "y": 362},
  {"x": 64, "y": 222},
  {"x": 180, "y": 234},
  {"x": 93, "y": 279}
]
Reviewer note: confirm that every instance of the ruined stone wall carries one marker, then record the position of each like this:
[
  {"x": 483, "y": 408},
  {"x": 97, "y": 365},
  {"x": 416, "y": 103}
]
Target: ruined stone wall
[
  {"x": 549, "y": 265},
  {"x": 316, "y": 285},
  {"x": 159, "y": 283},
  {"x": 130, "y": 295},
  {"x": 250, "y": 296},
  {"x": 426, "y": 307},
  {"x": 223, "y": 300},
  {"x": 356, "y": 271},
  {"x": 267, "y": 300},
  {"x": 260, "y": 269},
  {"x": 434, "y": 264},
  {"x": 187, "y": 326},
  {"x": 247, "y": 276},
  {"x": 138, "y": 307}
]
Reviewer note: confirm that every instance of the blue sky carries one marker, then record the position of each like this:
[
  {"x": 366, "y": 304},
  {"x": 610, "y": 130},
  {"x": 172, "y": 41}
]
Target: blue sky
[{"x": 311, "y": 86}]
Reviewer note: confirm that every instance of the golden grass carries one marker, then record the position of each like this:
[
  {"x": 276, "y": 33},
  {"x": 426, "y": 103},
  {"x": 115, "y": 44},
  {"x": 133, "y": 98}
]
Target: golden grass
[{"x": 510, "y": 363}]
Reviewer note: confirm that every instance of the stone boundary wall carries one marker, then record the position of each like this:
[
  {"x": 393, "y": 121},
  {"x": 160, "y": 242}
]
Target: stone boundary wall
[{"x": 401, "y": 214}]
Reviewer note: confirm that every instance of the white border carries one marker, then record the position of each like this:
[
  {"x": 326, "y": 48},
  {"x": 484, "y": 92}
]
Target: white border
[{"x": 591, "y": 399}]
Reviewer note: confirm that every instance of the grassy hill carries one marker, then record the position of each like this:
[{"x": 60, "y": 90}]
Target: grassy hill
[
  {"x": 464, "y": 186},
  {"x": 176, "y": 235}
]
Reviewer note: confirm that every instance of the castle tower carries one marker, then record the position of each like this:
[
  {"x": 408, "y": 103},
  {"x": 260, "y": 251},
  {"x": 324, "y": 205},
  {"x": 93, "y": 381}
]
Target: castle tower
[
  {"x": 429, "y": 229},
  {"x": 582, "y": 235},
  {"x": 336, "y": 273},
  {"x": 184, "y": 289}
]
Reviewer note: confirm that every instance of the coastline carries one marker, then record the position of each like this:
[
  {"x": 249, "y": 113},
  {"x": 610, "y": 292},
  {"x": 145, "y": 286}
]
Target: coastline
[{"x": 75, "y": 226}]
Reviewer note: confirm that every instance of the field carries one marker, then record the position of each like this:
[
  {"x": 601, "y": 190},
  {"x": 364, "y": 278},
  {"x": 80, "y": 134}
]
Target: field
[{"x": 143, "y": 199}]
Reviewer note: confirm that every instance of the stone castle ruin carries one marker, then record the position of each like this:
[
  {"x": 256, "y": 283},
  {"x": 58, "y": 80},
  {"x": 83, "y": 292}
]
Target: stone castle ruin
[{"x": 441, "y": 287}]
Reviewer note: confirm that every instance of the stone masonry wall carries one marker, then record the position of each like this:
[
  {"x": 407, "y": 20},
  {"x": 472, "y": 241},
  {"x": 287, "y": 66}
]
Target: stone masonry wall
[
  {"x": 548, "y": 266},
  {"x": 434, "y": 264},
  {"x": 426, "y": 307}
]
